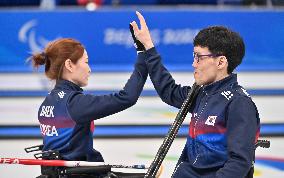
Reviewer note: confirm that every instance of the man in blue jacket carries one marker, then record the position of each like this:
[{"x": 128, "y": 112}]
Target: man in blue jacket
[{"x": 225, "y": 122}]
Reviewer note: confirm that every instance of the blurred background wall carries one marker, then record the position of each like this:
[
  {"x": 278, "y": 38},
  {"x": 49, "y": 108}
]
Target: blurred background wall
[{"x": 102, "y": 26}]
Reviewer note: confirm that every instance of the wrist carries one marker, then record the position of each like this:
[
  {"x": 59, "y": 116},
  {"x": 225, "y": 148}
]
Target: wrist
[{"x": 149, "y": 46}]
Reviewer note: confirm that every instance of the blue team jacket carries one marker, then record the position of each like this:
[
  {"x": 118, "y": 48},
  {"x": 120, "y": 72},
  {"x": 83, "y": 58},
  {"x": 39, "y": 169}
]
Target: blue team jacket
[
  {"x": 66, "y": 115},
  {"x": 223, "y": 128}
]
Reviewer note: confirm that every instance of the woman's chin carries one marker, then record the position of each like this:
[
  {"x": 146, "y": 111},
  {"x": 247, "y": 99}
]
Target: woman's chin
[{"x": 83, "y": 84}]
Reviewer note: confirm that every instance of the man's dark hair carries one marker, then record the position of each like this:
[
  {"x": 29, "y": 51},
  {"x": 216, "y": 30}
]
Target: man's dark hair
[{"x": 222, "y": 41}]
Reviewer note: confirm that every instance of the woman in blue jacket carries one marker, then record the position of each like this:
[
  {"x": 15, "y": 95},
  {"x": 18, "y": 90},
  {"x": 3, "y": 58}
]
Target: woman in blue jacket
[{"x": 66, "y": 115}]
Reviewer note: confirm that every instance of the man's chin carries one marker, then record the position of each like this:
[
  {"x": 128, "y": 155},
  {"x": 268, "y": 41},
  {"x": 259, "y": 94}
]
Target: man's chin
[
  {"x": 200, "y": 83},
  {"x": 197, "y": 81}
]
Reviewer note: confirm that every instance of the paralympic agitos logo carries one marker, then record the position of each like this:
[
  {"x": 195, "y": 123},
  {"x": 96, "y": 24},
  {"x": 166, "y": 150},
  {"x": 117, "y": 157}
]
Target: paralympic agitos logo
[{"x": 28, "y": 34}]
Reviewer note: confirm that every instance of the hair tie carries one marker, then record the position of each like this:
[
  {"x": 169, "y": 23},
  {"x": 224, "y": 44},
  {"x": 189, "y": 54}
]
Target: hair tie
[{"x": 44, "y": 56}]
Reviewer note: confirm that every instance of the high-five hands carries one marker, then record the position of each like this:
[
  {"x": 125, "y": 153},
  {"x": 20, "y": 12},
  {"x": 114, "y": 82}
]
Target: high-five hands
[
  {"x": 138, "y": 45},
  {"x": 143, "y": 34}
]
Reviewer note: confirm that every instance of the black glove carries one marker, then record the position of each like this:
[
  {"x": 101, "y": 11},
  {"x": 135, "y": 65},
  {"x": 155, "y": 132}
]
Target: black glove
[{"x": 138, "y": 45}]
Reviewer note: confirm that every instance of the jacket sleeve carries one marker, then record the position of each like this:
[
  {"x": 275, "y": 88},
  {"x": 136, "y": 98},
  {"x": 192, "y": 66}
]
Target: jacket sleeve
[
  {"x": 84, "y": 108},
  {"x": 242, "y": 126},
  {"x": 165, "y": 85}
]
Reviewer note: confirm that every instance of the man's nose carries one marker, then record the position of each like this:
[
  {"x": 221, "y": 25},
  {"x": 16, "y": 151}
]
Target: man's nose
[{"x": 194, "y": 63}]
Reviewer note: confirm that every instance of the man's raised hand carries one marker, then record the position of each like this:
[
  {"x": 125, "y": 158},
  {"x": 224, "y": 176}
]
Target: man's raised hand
[
  {"x": 143, "y": 34},
  {"x": 138, "y": 45}
]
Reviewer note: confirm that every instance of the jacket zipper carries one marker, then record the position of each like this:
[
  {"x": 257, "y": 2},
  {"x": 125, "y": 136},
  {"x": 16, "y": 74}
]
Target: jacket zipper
[
  {"x": 176, "y": 169},
  {"x": 195, "y": 159},
  {"x": 195, "y": 124}
]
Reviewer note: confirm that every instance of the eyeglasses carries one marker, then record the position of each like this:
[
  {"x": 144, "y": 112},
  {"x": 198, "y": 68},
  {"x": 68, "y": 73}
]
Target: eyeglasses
[{"x": 199, "y": 57}]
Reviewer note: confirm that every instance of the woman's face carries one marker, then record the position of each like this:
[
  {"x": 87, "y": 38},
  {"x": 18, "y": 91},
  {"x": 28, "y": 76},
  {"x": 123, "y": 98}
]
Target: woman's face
[{"x": 82, "y": 71}]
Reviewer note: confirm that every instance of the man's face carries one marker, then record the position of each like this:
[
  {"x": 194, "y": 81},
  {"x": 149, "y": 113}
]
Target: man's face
[{"x": 205, "y": 66}]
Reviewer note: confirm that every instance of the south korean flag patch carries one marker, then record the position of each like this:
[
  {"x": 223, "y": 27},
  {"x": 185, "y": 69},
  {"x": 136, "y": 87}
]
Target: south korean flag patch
[{"x": 211, "y": 120}]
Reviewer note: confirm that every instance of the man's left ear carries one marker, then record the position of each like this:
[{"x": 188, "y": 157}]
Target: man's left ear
[{"x": 223, "y": 62}]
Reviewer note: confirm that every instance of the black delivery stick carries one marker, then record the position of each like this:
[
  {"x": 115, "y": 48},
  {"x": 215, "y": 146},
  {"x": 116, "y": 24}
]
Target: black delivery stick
[{"x": 164, "y": 148}]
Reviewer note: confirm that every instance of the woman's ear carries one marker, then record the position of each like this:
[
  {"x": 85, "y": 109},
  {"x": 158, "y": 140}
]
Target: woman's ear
[{"x": 69, "y": 65}]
